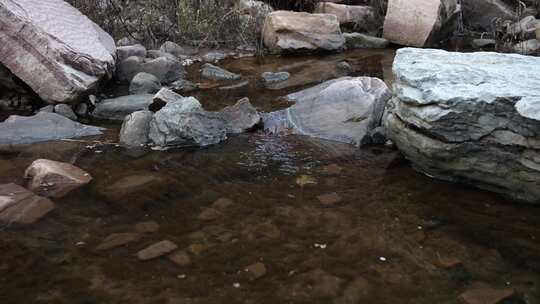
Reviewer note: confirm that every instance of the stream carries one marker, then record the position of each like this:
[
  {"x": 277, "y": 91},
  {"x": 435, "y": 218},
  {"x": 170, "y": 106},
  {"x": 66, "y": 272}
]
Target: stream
[{"x": 392, "y": 236}]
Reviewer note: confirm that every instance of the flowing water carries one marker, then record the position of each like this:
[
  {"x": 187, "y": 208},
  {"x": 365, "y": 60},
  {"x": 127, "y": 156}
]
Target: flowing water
[{"x": 382, "y": 242}]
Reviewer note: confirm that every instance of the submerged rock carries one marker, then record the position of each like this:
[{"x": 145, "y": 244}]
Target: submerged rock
[
  {"x": 18, "y": 130},
  {"x": 286, "y": 31},
  {"x": 118, "y": 239},
  {"x": 54, "y": 49},
  {"x": 134, "y": 131},
  {"x": 156, "y": 250},
  {"x": 213, "y": 72},
  {"x": 240, "y": 117},
  {"x": 418, "y": 22},
  {"x": 20, "y": 206},
  {"x": 344, "y": 109},
  {"x": 469, "y": 117},
  {"x": 270, "y": 78},
  {"x": 167, "y": 69},
  {"x": 55, "y": 179},
  {"x": 118, "y": 108},
  {"x": 486, "y": 295}
]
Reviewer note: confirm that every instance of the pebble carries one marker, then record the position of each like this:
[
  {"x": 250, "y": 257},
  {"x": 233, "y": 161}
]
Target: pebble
[
  {"x": 156, "y": 250},
  {"x": 209, "y": 214},
  {"x": 329, "y": 199},
  {"x": 180, "y": 258},
  {"x": 147, "y": 227},
  {"x": 118, "y": 239},
  {"x": 447, "y": 262},
  {"x": 255, "y": 271},
  {"x": 197, "y": 249}
]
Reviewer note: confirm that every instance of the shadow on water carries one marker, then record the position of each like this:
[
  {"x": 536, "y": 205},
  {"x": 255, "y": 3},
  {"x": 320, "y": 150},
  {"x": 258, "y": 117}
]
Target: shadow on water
[{"x": 380, "y": 242}]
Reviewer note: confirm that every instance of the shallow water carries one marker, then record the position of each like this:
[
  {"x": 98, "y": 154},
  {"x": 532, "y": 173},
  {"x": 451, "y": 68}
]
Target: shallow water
[{"x": 378, "y": 244}]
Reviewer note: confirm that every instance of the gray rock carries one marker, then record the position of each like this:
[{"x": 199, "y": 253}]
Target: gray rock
[
  {"x": 157, "y": 53},
  {"x": 286, "y": 31},
  {"x": 184, "y": 86},
  {"x": 483, "y": 43},
  {"x": 528, "y": 47},
  {"x": 48, "y": 109},
  {"x": 184, "y": 123},
  {"x": 81, "y": 110},
  {"x": 134, "y": 132},
  {"x": 124, "y": 52},
  {"x": 166, "y": 69},
  {"x": 43, "y": 126},
  {"x": 214, "y": 56},
  {"x": 270, "y": 78},
  {"x": 118, "y": 108},
  {"x": 344, "y": 109},
  {"x": 55, "y": 179},
  {"x": 163, "y": 97},
  {"x": 469, "y": 117},
  {"x": 172, "y": 48},
  {"x": 213, "y": 72},
  {"x": 361, "y": 17},
  {"x": 526, "y": 27},
  {"x": 65, "y": 110},
  {"x": 236, "y": 86},
  {"x": 144, "y": 83},
  {"x": 241, "y": 117},
  {"x": 54, "y": 49},
  {"x": 126, "y": 41},
  {"x": 478, "y": 15},
  {"x": 362, "y": 41}
]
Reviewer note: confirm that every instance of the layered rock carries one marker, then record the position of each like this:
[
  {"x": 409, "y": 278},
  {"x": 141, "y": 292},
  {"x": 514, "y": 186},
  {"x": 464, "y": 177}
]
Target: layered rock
[
  {"x": 418, "y": 22},
  {"x": 54, "y": 49},
  {"x": 286, "y": 31},
  {"x": 55, "y": 179},
  {"x": 18, "y": 130},
  {"x": 346, "y": 110},
  {"x": 472, "y": 118},
  {"x": 118, "y": 108}
]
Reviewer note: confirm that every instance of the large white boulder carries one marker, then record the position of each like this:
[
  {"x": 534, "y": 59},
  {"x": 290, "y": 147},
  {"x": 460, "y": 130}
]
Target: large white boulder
[
  {"x": 469, "y": 117},
  {"x": 53, "y": 48},
  {"x": 286, "y": 31}
]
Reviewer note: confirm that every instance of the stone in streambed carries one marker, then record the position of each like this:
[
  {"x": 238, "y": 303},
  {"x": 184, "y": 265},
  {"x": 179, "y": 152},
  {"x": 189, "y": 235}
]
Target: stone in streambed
[
  {"x": 329, "y": 199},
  {"x": 213, "y": 72},
  {"x": 134, "y": 131},
  {"x": 118, "y": 108},
  {"x": 222, "y": 204},
  {"x": 486, "y": 295},
  {"x": 55, "y": 179},
  {"x": 147, "y": 227},
  {"x": 118, "y": 239},
  {"x": 180, "y": 258},
  {"x": 124, "y": 52},
  {"x": 156, "y": 250},
  {"x": 144, "y": 83},
  {"x": 363, "y": 41},
  {"x": 65, "y": 110},
  {"x": 43, "y": 126},
  {"x": 20, "y": 206},
  {"x": 256, "y": 271},
  {"x": 210, "y": 214}
]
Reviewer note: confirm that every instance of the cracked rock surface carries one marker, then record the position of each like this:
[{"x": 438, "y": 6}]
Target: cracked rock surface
[{"x": 469, "y": 117}]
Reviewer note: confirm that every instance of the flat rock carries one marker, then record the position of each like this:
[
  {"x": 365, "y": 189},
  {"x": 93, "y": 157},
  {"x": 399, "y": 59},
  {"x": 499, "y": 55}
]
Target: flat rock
[
  {"x": 55, "y": 179},
  {"x": 118, "y": 108},
  {"x": 363, "y": 41},
  {"x": 495, "y": 146},
  {"x": 286, "y": 31},
  {"x": 447, "y": 262},
  {"x": 486, "y": 295},
  {"x": 118, "y": 239},
  {"x": 20, "y": 206},
  {"x": 222, "y": 204},
  {"x": 144, "y": 83},
  {"x": 256, "y": 271},
  {"x": 54, "y": 49},
  {"x": 147, "y": 227},
  {"x": 344, "y": 109},
  {"x": 240, "y": 117},
  {"x": 213, "y": 72},
  {"x": 329, "y": 199},
  {"x": 43, "y": 126},
  {"x": 156, "y": 250},
  {"x": 210, "y": 214}
]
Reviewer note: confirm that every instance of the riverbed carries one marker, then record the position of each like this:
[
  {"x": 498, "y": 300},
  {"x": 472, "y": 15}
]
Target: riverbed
[{"x": 330, "y": 223}]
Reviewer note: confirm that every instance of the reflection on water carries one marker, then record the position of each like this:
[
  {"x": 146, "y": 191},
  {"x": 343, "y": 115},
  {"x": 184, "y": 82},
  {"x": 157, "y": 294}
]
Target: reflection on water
[{"x": 392, "y": 236}]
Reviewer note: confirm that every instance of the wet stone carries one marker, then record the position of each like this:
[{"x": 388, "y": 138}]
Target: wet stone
[
  {"x": 256, "y": 271},
  {"x": 55, "y": 179},
  {"x": 197, "y": 249},
  {"x": 156, "y": 250},
  {"x": 180, "y": 258},
  {"x": 329, "y": 199},
  {"x": 222, "y": 204},
  {"x": 118, "y": 239},
  {"x": 486, "y": 295},
  {"x": 147, "y": 227},
  {"x": 209, "y": 214},
  {"x": 20, "y": 206},
  {"x": 332, "y": 169},
  {"x": 447, "y": 262}
]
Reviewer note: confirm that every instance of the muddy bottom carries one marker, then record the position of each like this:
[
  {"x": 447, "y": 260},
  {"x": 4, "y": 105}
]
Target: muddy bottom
[{"x": 328, "y": 222}]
